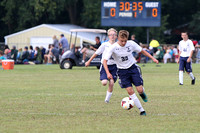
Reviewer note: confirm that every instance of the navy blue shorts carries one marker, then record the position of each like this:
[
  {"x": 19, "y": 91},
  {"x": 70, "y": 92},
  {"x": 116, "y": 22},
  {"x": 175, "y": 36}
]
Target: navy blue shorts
[
  {"x": 112, "y": 69},
  {"x": 184, "y": 65},
  {"x": 130, "y": 76}
]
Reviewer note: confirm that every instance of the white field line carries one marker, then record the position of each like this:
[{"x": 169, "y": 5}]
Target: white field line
[{"x": 73, "y": 114}]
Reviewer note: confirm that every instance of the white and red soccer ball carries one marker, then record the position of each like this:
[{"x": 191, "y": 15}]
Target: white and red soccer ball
[{"x": 127, "y": 103}]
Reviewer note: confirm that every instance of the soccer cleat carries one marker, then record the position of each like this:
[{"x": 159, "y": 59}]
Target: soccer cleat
[
  {"x": 193, "y": 81},
  {"x": 180, "y": 84},
  {"x": 144, "y": 97},
  {"x": 106, "y": 101},
  {"x": 143, "y": 113}
]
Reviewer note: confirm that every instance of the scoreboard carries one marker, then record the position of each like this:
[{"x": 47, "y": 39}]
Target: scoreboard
[{"x": 131, "y": 13}]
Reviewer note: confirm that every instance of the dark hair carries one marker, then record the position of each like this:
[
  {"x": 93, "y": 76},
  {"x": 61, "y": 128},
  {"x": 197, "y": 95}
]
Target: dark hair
[
  {"x": 7, "y": 47},
  {"x": 37, "y": 48},
  {"x": 62, "y": 35},
  {"x": 1, "y": 52},
  {"x": 97, "y": 37},
  {"x": 31, "y": 47},
  {"x": 53, "y": 45},
  {"x": 49, "y": 46},
  {"x": 184, "y": 32}
]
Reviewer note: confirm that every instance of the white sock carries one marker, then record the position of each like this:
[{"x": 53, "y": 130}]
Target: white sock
[
  {"x": 181, "y": 77},
  {"x": 108, "y": 96},
  {"x": 191, "y": 75},
  {"x": 136, "y": 102}
]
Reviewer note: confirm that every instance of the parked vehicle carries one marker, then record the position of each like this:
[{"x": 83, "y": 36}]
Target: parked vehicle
[{"x": 70, "y": 58}]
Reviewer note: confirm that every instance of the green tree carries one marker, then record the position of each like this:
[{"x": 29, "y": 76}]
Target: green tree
[{"x": 90, "y": 16}]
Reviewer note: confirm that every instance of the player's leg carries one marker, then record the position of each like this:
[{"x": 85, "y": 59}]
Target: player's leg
[
  {"x": 104, "y": 81},
  {"x": 138, "y": 82},
  {"x": 188, "y": 68},
  {"x": 140, "y": 90},
  {"x": 113, "y": 71},
  {"x": 137, "y": 103},
  {"x": 182, "y": 62},
  {"x": 109, "y": 91}
]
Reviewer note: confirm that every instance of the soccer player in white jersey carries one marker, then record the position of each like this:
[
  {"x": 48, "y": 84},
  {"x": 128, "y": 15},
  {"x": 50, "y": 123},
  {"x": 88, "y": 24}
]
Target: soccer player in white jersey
[
  {"x": 112, "y": 35},
  {"x": 128, "y": 72},
  {"x": 186, "y": 49}
]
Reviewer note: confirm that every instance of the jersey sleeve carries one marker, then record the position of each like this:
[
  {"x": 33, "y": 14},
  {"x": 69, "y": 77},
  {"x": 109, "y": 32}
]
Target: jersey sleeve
[
  {"x": 100, "y": 49},
  {"x": 109, "y": 52},
  {"x": 192, "y": 45},
  {"x": 179, "y": 46},
  {"x": 136, "y": 47}
]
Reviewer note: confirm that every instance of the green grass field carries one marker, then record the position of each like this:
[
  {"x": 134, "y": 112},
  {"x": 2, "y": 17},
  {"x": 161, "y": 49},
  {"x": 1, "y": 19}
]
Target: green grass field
[{"x": 44, "y": 98}]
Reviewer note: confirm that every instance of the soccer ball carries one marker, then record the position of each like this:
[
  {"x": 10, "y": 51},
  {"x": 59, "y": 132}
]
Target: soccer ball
[{"x": 127, "y": 103}]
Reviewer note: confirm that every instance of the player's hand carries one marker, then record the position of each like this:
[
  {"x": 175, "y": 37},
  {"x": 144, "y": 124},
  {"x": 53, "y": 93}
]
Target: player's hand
[
  {"x": 87, "y": 64},
  {"x": 177, "y": 61},
  {"x": 189, "y": 59},
  {"x": 109, "y": 76},
  {"x": 156, "y": 61}
]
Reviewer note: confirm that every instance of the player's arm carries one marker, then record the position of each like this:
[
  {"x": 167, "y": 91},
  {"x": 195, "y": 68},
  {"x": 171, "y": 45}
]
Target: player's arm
[
  {"x": 109, "y": 76},
  {"x": 179, "y": 54},
  {"x": 99, "y": 51},
  {"x": 91, "y": 58},
  {"x": 150, "y": 56},
  {"x": 191, "y": 53},
  {"x": 106, "y": 58},
  {"x": 189, "y": 58}
]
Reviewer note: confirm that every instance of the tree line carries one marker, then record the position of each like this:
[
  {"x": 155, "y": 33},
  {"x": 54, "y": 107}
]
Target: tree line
[{"x": 19, "y": 15}]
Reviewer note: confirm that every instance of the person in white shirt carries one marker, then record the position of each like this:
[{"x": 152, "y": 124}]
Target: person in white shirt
[
  {"x": 112, "y": 35},
  {"x": 128, "y": 72},
  {"x": 186, "y": 49}
]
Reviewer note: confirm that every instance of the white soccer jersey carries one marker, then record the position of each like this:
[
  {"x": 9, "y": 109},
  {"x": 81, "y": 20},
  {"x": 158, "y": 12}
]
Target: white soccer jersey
[
  {"x": 102, "y": 50},
  {"x": 186, "y": 47},
  {"x": 123, "y": 55}
]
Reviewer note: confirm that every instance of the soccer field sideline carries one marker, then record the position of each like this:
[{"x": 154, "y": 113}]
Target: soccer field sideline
[{"x": 73, "y": 101}]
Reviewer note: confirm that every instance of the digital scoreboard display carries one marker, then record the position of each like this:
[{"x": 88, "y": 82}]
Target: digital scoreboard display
[{"x": 131, "y": 13}]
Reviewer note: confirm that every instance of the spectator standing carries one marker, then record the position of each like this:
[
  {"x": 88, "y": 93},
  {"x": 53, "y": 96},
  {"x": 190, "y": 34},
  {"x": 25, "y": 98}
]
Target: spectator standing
[
  {"x": 198, "y": 53},
  {"x": 136, "y": 41},
  {"x": 167, "y": 55},
  {"x": 133, "y": 39},
  {"x": 55, "y": 42},
  {"x": 64, "y": 43},
  {"x": 175, "y": 53},
  {"x": 154, "y": 43}
]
